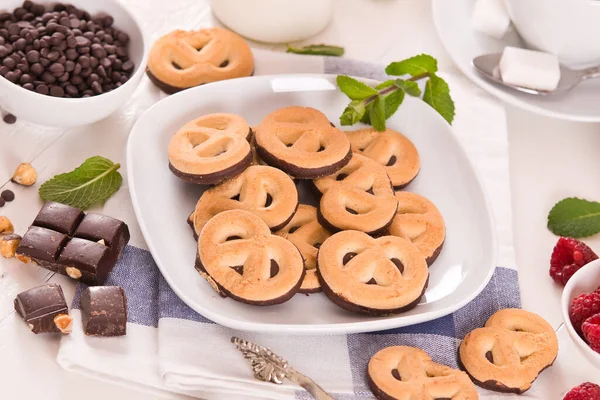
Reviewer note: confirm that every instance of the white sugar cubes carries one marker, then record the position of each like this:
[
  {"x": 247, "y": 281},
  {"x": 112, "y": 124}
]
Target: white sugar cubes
[
  {"x": 530, "y": 69},
  {"x": 490, "y": 17}
]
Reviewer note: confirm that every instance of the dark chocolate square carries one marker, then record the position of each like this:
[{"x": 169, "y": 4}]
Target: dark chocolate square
[
  {"x": 90, "y": 262},
  {"x": 38, "y": 307},
  {"x": 104, "y": 311},
  {"x": 41, "y": 244},
  {"x": 59, "y": 217},
  {"x": 113, "y": 232}
]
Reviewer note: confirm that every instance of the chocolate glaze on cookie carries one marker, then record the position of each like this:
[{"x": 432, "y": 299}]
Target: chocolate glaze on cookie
[
  {"x": 376, "y": 233},
  {"x": 215, "y": 177}
]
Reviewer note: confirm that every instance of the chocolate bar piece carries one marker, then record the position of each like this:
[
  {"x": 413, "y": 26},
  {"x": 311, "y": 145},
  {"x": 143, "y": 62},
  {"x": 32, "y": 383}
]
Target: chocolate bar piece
[
  {"x": 44, "y": 309},
  {"x": 65, "y": 240},
  {"x": 104, "y": 311}
]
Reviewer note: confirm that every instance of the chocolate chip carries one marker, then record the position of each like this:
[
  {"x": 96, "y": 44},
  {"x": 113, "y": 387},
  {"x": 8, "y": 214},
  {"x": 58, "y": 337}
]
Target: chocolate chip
[
  {"x": 8, "y": 195},
  {"x": 9, "y": 119},
  {"x": 42, "y": 89},
  {"x": 57, "y": 91},
  {"x": 2, "y": 202}
]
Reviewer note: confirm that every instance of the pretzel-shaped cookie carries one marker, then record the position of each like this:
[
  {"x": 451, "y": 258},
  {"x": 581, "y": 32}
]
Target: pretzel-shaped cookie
[
  {"x": 407, "y": 373},
  {"x": 210, "y": 149},
  {"x": 390, "y": 149},
  {"x": 419, "y": 221},
  {"x": 359, "y": 196},
  {"x": 382, "y": 276},
  {"x": 302, "y": 142},
  {"x": 305, "y": 232},
  {"x": 261, "y": 190},
  {"x": 183, "y": 59},
  {"x": 241, "y": 259},
  {"x": 508, "y": 354}
]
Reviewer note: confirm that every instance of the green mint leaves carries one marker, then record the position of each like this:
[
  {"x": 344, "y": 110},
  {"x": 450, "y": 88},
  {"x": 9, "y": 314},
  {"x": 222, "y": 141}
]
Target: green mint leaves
[
  {"x": 318, "y": 50},
  {"x": 575, "y": 218},
  {"x": 375, "y": 105},
  {"x": 92, "y": 182}
]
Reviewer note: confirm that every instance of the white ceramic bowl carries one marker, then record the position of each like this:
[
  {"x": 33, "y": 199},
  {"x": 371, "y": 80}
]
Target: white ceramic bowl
[
  {"x": 62, "y": 112},
  {"x": 586, "y": 280},
  {"x": 568, "y": 28}
]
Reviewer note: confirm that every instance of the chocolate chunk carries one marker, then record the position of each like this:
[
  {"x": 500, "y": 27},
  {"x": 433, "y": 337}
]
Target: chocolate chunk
[
  {"x": 104, "y": 311},
  {"x": 97, "y": 242},
  {"x": 2, "y": 202},
  {"x": 97, "y": 227},
  {"x": 40, "y": 306},
  {"x": 90, "y": 262},
  {"x": 8, "y": 195},
  {"x": 42, "y": 245},
  {"x": 9, "y": 119},
  {"x": 59, "y": 217}
]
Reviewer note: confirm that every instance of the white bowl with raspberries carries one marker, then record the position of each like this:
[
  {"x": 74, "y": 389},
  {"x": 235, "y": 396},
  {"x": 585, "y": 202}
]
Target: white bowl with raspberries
[
  {"x": 581, "y": 310},
  {"x": 49, "y": 95}
]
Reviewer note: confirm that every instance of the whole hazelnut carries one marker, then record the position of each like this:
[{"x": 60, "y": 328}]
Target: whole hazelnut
[
  {"x": 25, "y": 175},
  {"x": 5, "y": 225},
  {"x": 8, "y": 244},
  {"x": 64, "y": 323}
]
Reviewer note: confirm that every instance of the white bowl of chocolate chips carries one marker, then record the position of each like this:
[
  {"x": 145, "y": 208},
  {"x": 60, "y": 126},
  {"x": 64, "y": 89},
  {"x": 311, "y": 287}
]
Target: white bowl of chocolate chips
[{"x": 64, "y": 65}]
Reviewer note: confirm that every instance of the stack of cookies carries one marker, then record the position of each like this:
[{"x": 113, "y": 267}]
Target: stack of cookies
[{"x": 367, "y": 245}]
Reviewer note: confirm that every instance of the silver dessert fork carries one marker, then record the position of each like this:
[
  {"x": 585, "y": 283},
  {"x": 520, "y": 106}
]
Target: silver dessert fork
[{"x": 269, "y": 367}]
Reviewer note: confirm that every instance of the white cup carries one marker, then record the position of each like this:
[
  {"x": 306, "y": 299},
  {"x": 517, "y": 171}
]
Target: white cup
[
  {"x": 568, "y": 28},
  {"x": 274, "y": 21}
]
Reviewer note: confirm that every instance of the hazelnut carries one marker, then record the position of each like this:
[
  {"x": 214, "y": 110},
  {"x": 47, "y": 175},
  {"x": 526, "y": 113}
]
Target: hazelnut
[
  {"x": 64, "y": 323},
  {"x": 25, "y": 175},
  {"x": 23, "y": 258},
  {"x": 5, "y": 225},
  {"x": 101, "y": 241},
  {"x": 73, "y": 272},
  {"x": 9, "y": 244}
]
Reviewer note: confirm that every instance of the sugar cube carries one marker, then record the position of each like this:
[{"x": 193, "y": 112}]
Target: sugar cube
[
  {"x": 491, "y": 17},
  {"x": 529, "y": 68}
]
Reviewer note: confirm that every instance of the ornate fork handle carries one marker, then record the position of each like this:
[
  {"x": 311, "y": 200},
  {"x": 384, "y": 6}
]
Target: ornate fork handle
[{"x": 269, "y": 367}]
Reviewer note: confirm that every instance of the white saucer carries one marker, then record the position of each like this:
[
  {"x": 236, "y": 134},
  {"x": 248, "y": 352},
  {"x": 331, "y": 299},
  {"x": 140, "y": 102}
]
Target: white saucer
[
  {"x": 162, "y": 203},
  {"x": 452, "y": 20}
]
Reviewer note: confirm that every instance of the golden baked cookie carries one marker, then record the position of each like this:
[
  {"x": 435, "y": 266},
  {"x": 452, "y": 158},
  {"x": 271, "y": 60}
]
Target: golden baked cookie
[
  {"x": 508, "y": 354},
  {"x": 305, "y": 232},
  {"x": 359, "y": 196},
  {"x": 391, "y": 149},
  {"x": 240, "y": 258},
  {"x": 261, "y": 190},
  {"x": 302, "y": 142},
  {"x": 184, "y": 59},
  {"x": 418, "y": 220},
  {"x": 381, "y": 276},
  {"x": 210, "y": 149},
  {"x": 407, "y": 373}
]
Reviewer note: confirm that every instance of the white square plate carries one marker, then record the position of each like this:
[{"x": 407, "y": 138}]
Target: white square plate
[{"x": 162, "y": 203}]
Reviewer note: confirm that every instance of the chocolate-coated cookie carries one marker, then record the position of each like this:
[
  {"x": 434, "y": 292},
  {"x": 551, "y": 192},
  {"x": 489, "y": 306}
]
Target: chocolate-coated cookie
[
  {"x": 302, "y": 142},
  {"x": 241, "y": 259}
]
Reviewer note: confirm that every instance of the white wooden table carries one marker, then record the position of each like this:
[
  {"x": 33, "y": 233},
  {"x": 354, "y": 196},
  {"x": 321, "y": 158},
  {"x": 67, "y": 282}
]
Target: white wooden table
[{"x": 549, "y": 160}]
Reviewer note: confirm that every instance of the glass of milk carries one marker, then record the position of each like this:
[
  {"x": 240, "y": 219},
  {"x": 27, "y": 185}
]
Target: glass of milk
[{"x": 274, "y": 21}]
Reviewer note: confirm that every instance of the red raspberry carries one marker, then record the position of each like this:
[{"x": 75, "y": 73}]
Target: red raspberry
[
  {"x": 591, "y": 332},
  {"x": 597, "y": 290},
  {"x": 568, "y": 256},
  {"x": 584, "y": 306},
  {"x": 585, "y": 391}
]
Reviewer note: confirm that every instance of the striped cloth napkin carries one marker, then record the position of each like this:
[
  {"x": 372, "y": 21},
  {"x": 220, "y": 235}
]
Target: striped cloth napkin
[{"x": 171, "y": 348}]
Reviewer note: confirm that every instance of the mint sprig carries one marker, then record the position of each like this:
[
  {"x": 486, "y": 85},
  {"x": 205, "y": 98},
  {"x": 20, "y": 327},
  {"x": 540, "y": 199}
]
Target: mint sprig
[
  {"x": 576, "y": 218},
  {"x": 374, "y": 105},
  {"x": 92, "y": 182},
  {"x": 318, "y": 50}
]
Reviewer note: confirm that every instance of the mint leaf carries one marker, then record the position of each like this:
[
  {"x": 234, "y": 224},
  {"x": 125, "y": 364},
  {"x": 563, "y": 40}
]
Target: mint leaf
[
  {"x": 92, "y": 182},
  {"x": 417, "y": 65},
  {"x": 318, "y": 50},
  {"x": 437, "y": 95},
  {"x": 385, "y": 84},
  {"x": 354, "y": 89},
  {"x": 377, "y": 114},
  {"x": 410, "y": 87},
  {"x": 366, "y": 119},
  {"x": 392, "y": 102},
  {"x": 353, "y": 113},
  {"x": 575, "y": 218}
]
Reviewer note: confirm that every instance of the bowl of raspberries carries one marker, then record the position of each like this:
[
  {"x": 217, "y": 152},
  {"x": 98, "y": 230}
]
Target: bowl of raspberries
[{"x": 581, "y": 310}]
